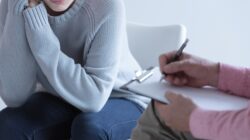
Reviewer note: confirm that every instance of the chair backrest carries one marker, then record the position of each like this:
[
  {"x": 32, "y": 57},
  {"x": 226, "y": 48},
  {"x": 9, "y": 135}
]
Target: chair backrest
[{"x": 147, "y": 43}]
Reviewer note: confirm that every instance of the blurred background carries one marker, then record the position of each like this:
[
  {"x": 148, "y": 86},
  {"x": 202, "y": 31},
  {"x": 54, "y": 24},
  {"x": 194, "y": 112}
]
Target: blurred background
[{"x": 218, "y": 29}]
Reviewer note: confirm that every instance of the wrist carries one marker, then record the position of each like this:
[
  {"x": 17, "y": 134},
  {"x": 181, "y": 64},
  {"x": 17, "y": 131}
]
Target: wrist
[
  {"x": 189, "y": 118},
  {"x": 36, "y": 17},
  {"x": 33, "y": 3},
  {"x": 214, "y": 75}
]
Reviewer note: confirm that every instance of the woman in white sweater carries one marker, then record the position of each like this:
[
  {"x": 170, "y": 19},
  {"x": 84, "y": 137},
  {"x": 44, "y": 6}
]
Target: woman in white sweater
[{"x": 77, "y": 50}]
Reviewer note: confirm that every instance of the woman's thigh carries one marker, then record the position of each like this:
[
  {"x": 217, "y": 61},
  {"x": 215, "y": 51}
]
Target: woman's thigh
[
  {"x": 114, "y": 122},
  {"x": 42, "y": 117}
]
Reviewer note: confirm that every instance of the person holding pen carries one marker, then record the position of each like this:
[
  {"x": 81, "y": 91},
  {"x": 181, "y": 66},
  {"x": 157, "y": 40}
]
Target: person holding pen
[
  {"x": 184, "y": 120},
  {"x": 77, "y": 51}
]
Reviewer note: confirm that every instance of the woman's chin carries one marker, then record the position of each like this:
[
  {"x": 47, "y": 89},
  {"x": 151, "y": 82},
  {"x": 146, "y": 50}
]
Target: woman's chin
[{"x": 58, "y": 9}]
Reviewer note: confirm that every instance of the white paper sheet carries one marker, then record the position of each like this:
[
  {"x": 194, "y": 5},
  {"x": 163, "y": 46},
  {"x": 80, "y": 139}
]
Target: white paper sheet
[{"x": 207, "y": 98}]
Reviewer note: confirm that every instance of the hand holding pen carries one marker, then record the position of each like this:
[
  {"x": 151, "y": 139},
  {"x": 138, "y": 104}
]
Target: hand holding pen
[
  {"x": 175, "y": 57},
  {"x": 189, "y": 70}
]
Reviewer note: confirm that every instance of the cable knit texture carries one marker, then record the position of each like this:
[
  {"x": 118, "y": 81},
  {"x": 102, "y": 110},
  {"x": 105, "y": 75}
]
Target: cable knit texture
[
  {"x": 225, "y": 125},
  {"x": 82, "y": 55}
]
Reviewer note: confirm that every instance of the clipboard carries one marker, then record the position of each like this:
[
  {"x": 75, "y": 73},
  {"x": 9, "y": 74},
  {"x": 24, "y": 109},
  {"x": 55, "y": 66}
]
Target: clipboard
[{"x": 207, "y": 97}]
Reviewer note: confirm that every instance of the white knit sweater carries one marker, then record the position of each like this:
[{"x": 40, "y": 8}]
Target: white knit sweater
[{"x": 80, "y": 56}]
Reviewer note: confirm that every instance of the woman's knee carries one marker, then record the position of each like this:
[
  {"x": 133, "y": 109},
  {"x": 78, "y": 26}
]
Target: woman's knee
[
  {"x": 9, "y": 129},
  {"x": 88, "y": 126}
]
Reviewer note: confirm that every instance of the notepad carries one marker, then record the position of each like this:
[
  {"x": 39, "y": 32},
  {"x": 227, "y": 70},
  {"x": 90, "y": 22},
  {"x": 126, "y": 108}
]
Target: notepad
[{"x": 207, "y": 97}]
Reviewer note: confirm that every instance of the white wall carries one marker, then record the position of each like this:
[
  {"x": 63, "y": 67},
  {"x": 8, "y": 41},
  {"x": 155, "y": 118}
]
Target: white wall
[
  {"x": 1, "y": 102},
  {"x": 218, "y": 29}
]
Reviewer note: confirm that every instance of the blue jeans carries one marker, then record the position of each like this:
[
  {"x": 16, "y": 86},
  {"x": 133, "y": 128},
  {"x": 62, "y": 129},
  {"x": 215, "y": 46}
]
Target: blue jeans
[{"x": 45, "y": 117}]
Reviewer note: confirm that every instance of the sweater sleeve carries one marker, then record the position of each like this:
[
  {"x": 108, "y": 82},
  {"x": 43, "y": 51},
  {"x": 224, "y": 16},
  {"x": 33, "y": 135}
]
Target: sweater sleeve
[
  {"x": 3, "y": 13},
  {"x": 235, "y": 80},
  {"x": 225, "y": 125},
  {"x": 17, "y": 64},
  {"x": 86, "y": 87},
  {"x": 218, "y": 125}
]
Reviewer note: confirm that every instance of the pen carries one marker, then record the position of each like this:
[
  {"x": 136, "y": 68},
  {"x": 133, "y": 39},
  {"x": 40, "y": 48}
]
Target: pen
[{"x": 176, "y": 56}]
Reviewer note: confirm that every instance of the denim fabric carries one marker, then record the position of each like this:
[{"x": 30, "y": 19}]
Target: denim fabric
[
  {"x": 42, "y": 117},
  {"x": 46, "y": 117},
  {"x": 114, "y": 122}
]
